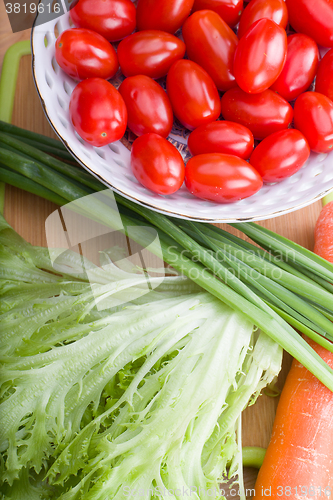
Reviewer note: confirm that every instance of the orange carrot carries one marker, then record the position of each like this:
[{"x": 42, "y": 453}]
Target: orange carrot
[
  {"x": 324, "y": 233},
  {"x": 299, "y": 460}
]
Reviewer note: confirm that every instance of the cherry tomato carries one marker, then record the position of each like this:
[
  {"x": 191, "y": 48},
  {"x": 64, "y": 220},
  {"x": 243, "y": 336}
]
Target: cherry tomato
[
  {"x": 263, "y": 113},
  {"x": 280, "y": 155},
  {"x": 313, "y": 116},
  {"x": 193, "y": 94},
  {"x": 164, "y": 15},
  {"x": 221, "y": 137},
  {"x": 113, "y": 19},
  {"x": 300, "y": 67},
  {"x": 148, "y": 106},
  {"x": 260, "y": 56},
  {"x": 98, "y": 112},
  {"x": 275, "y": 10},
  {"x": 229, "y": 10},
  {"x": 221, "y": 178},
  {"x": 211, "y": 43},
  {"x": 324, "y": 80},
  {"x": 150, "y": 53},
  {"x": 313, "y": 18},
  {"x": 84, "y": 54},
  {"x": 157, "y": 164}
]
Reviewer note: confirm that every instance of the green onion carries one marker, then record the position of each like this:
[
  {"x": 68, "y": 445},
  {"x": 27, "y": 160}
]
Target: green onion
[
  {"x": 65, "y": 155},
  {"x": 288, "y": 249},
  {"x": 43, "y": 175},
  {"x": 17, "y": 180},
  {"x": 271, "y": 290},
  {"x": 59, "y": 166},
  {"x": 27, "y": 134},
  {"x": 269, "y": 266}
]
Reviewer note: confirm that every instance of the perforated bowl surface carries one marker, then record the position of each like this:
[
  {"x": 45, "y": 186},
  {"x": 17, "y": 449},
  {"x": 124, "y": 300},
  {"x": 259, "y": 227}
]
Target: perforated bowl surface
[{"x": 110, "y": 163}]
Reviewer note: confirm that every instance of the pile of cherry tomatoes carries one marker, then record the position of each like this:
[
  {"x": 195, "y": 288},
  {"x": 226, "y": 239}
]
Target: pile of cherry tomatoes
[{"x": 223, "y": 50}]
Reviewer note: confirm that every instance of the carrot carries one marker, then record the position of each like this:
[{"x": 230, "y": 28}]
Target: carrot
[
  {"x": 299, "y": 460},
  {"x": 324, "y": 233}
]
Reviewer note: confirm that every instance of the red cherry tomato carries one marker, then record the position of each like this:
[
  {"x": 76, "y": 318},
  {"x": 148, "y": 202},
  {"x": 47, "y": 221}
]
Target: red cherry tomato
[
  {"x": 148, "y": 106},
  {"x": 229, "y": 10},
  {"x": 300, "y": 67},
  {"x": 84, "y": 54},
  {"x": 313, "y": 116},
  {"x": 193, "y": 94},
  {"x": 150, "y": 53},
  {"x": 98, "y": 112},
  {"x": 211, "y": 43},
  {"x": 260, "y": 56},
  {"x": 221, "y": 137},
  {"x": 113, "y": 19},
  {"x": 313, "y": 18},
  {"x": 324, "y": 80},
  {"x": 263, "y": 113},
  {"x": 280, "y": 155},
  {"x": 275, "y": 10},
  {"x": 157, "y": 164},
  {"x": 221, "y": 178},
  {"x": 164, "y": 15}
]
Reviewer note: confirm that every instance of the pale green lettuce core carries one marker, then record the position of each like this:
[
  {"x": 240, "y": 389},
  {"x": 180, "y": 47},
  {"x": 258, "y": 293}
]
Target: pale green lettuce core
[{"x": 135, "y": 400}]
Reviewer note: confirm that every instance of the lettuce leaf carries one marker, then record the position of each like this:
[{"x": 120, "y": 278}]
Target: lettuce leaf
[{"x": 108, "y": 394}]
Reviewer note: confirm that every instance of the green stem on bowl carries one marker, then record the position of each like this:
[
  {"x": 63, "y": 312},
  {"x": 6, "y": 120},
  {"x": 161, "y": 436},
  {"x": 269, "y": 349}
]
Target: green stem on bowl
[
  {"x": 9, "y": 73},
  {"x": 10, "y": 68},
  {"x": 253, "y": 456},
  {"x": 327, "y": 199},
  {"x": 28, "y": 135}
]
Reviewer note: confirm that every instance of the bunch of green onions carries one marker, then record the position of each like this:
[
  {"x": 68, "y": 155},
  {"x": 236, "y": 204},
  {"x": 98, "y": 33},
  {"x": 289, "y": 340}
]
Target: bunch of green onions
[{"x": 280, "y": 286}]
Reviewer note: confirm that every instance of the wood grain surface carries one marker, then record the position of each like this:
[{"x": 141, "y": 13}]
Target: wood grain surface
[{"x": 27, "y": 214}]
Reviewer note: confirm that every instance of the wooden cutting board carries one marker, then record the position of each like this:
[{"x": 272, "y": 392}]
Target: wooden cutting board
[{"x": 27, "y": 214}]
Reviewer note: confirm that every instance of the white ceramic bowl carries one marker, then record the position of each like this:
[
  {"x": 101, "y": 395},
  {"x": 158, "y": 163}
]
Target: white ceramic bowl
[{"x": 110, "y": 164}]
